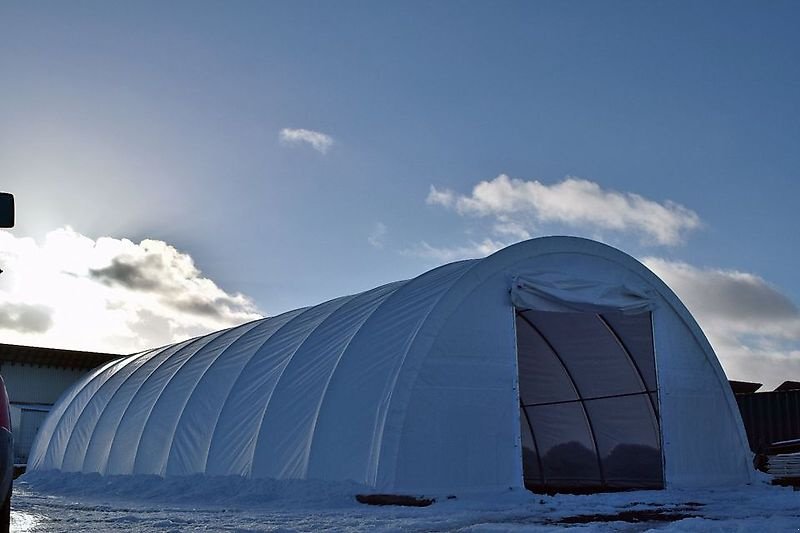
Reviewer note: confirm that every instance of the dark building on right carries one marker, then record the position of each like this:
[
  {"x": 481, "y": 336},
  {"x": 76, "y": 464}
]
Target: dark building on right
[{"x": 771, "y": 419}]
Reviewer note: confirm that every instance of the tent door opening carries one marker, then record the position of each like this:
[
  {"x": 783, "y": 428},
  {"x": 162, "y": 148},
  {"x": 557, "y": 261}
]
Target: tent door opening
[{"x": 588, "y": 402}]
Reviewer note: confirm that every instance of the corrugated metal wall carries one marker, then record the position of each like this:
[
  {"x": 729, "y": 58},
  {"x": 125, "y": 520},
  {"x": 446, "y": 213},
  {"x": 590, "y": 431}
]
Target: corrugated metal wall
[
  {"x": 37, "y": 384},
  {"x": 770, "y": 417}
]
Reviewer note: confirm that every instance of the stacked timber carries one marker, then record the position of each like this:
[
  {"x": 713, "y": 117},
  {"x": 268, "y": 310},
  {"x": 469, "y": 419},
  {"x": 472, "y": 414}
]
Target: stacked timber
[{"x": 784, "y": 465}]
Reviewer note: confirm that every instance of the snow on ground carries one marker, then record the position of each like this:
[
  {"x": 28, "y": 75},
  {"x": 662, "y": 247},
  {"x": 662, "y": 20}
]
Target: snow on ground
[{"x": 51, "y": 502}]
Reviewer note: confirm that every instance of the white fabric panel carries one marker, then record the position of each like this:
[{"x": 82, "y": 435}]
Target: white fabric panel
[
  {"x": 198, "y": 421},
  {"x": 154, "y": 445},
  {"x": 188, "y": 444},
  {"x": 62, "y": 431},
  {"x": 230, "y": 449},
  {"x": 38, "y": 457},
  {"x": 75, "y": 450},
  {"x": 350, "y": 422},
  {"x": 699, "y": 429},
  {"x": 129, "y": 433},
  {"x": 259, "y": 383},
  {"x": 105, "y": 430},
  {"x": 573, "y": 293},
  {"x": 283, "y": 453},
  {"x": 459, "y": 375}
]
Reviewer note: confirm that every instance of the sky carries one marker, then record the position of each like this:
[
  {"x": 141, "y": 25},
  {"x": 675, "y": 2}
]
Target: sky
[{"x": 182, "y": 167}]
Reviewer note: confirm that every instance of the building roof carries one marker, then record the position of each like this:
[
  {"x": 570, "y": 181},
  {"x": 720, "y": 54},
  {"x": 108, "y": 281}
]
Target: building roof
[
  {"x": 52, "y": 357},
  {"x": 788, "y": 385},
  {"x": 744, "y": 387}
]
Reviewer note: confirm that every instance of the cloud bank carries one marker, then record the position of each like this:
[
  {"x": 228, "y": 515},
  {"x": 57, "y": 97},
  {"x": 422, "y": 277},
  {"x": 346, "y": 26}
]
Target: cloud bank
[
  {"x": 519, "y": 206},
  {"x": 113, "y": 295},
  {"x": 753, "y": 327},
  {"x": 320, "y": 142}
]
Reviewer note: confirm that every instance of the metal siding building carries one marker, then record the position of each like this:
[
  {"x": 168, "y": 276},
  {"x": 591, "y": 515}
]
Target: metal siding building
[
  {"x": 770, "y": 417},
  {"x": 35, "y": 378}
]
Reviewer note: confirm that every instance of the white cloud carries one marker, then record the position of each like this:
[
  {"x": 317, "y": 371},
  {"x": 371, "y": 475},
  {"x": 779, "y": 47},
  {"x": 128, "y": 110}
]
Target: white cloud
[
  {"x": 445, "y": 197},
  {"x": 71, "y": 291},
  {"x": 573, "y": 202},
  {"x": 754, "y": 328},
  {"x": 507, "y": 227},
  {"x": 321, "y": 142},
  {"x": 377, "y": 237},
  {"x": 448, "y": 254}
]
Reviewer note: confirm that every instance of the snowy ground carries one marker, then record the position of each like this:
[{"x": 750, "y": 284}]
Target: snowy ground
[{"x": 72, "y": 502}]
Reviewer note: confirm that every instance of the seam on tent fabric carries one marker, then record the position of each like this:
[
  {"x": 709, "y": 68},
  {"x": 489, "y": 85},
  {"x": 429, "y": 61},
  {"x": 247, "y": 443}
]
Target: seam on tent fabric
[
  {"x": 175, "y": 349},
  {"x": 300, "y": 312},
  {"x": 33, "y": 455},
  {"x": 519, "y": 465},
  {"x": 297, "y": 313},
  {"x": 108, "y": 375},
  {"x": 132, "y": 360},
  {"x": 207, "y": 338},
  {"x": 324, "y": 393},
  {"x": 288, "y": 362},
  {"x": 256, "y": 324},
  {"x": 188, "y": 397},
  {"x": 658, "y": 400},
  {"x": 265, "y": 322},
  {"x": 376, "y": 451},
  {"x": 45, "y": 431},
  {"x": 101, "y": 375},
  {"x": 157, "y": 353},
  {"x": 74, "y": 391},
  {"x": 178, "y": 371},
  {"x": 520, "y": 409}
]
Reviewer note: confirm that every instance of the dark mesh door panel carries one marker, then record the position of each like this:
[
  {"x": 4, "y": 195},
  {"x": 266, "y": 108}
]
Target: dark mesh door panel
[
  {"x": 635, "y": 332},
  {"x": 588, "y": 401},
  {"x": 565, "y": 442},
  {"x": 591, "y": 354},
  {"x": 544, "y": 377},
  {"x": 627, "y": 441}
]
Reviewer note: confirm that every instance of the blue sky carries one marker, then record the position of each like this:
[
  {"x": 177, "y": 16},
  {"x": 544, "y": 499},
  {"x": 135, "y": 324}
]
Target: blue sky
[{"x": 163, "y": 121}]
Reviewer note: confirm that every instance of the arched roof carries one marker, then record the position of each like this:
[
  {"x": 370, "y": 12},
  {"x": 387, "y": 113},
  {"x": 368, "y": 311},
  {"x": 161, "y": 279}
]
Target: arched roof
[{"x": 379, "y": 387}]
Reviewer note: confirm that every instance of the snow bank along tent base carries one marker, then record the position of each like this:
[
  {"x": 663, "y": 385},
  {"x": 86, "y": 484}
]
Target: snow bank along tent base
[{"x": 554, "y": 363}]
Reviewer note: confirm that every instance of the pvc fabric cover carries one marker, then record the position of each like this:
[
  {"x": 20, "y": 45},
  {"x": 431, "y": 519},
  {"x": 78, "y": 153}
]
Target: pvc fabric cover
[{"x": 415, "y": 385}]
